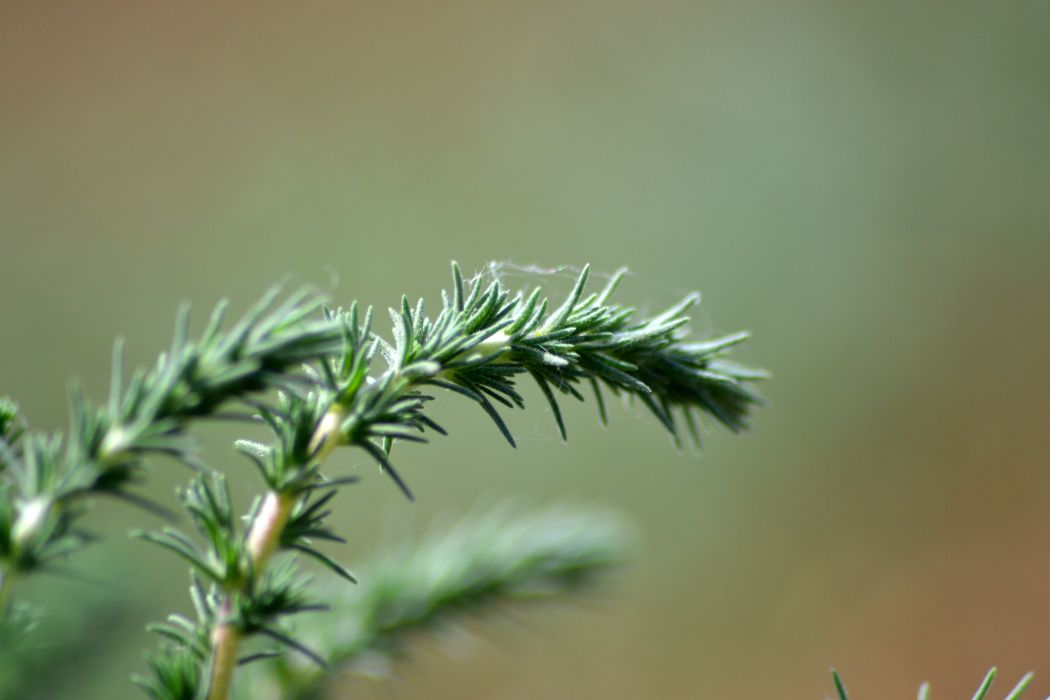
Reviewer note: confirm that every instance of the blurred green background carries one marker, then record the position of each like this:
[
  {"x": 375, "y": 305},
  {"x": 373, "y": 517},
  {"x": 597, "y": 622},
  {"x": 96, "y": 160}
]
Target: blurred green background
[{"x": 864, "y": 185}]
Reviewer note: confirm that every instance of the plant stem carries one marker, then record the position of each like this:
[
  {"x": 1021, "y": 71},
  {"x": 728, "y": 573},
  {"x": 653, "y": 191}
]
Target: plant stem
[
  {"x": 225, "y": 640},
  {"x": 477, "y": 346},
  {"x": 7, "y": 585},
  {"x": 265, "y": 533},
  {"x": 267, "y": 526},
  {"x": 263, "y": 537}
]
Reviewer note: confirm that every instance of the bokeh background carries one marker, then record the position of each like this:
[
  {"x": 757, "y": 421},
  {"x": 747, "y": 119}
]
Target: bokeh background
[{"x": 864, "y": 185}]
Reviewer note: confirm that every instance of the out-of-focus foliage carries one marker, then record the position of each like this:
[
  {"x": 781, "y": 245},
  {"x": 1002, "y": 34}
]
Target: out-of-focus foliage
[
  {"x": 477, "y": 568},
  {"x": 980, "y": 694}
]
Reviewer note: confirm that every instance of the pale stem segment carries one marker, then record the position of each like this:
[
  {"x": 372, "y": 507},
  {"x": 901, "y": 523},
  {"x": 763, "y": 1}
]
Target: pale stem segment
[
  {"x": 225, "y": 639},
  {"x": 263, "y": 538}
]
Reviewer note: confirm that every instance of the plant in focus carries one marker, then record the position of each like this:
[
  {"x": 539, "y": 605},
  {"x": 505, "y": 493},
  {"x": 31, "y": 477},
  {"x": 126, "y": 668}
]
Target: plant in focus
[{"x": 323, "y": 380}]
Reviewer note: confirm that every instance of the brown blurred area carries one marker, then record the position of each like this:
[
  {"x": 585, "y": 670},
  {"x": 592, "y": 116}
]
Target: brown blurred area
[{"x": 865, "y": 186}]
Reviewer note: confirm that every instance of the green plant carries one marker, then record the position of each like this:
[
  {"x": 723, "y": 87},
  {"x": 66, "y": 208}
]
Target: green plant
[
  {"x": 489, "y": 559},
  {"x": 322, "y": 379},
  {"x": 924, "y": 690}
]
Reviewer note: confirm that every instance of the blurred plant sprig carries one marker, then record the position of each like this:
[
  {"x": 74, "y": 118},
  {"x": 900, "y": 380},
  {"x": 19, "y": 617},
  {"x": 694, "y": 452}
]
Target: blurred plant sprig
[
  {"x": 483, "y": 563},
  {"x": 924, "y": 690}
]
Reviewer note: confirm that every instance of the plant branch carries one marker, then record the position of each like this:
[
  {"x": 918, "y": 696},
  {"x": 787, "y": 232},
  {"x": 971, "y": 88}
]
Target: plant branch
[
  {"x": 263, "y": 538},
  {"x": 7, "y": 585},
  {"x": 330, "y": 393},
  {"x": 485, "y": 562},
  {"x": 265, "y": 534},
  {"x": 103, "y": 452},
  {"x": 225, "y": 642},
  {"x": 481, "y": 341}
]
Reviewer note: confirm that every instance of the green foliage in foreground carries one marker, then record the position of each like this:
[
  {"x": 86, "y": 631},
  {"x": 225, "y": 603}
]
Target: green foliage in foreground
[
  {"x": 322, "y": 379},
  {"x": 924, "y": 690}
]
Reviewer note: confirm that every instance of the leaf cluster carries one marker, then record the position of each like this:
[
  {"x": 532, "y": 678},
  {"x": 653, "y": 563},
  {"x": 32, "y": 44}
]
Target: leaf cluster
[
  {"x": 227, "y": 589},
  {"x": 323, "y": 379},
  {"x": 484, "y": 338},
  {"x": 11, "y": 429},
  {"x": 105, "y": 448}
]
